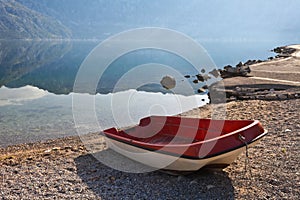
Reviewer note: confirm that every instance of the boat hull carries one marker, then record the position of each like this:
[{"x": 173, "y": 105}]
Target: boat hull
[{"x": 165, "y": 161}]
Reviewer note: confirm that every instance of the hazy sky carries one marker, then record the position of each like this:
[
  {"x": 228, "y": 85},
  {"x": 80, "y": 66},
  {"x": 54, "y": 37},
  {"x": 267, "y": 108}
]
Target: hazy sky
[
  {"x": 220, "y": 18},
  {"x": 232, "y": 18}
]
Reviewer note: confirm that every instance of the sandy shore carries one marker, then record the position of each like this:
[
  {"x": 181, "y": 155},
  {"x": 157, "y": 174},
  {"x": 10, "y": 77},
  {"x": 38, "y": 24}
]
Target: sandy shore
[{"x": 64, "y": 169}]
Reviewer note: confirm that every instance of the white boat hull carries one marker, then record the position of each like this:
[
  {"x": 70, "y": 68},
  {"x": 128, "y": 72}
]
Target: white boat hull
[{"x": 169, "y": 162}]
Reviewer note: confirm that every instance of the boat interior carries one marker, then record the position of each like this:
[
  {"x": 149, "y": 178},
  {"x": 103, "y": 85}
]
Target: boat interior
[{"x": 178, "y": 130}]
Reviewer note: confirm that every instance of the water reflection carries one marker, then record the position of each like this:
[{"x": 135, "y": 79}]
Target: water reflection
[
  {"x": 15, "y": 96},
  {"x": 52, "y": 65},
  {"x": 29, "y": 114},
  {"x": 49, "y": 65},
  {"x": 19, "y": 58}
]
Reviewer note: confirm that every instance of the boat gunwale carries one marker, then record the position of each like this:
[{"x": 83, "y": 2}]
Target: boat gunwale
[
  {"x": 137, "y": 142},
  {"x": 260, "y": 136}
]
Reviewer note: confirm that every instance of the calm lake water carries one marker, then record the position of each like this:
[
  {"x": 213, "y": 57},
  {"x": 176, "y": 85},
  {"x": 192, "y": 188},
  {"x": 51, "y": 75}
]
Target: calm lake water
[{"x": 37, "y": 77}]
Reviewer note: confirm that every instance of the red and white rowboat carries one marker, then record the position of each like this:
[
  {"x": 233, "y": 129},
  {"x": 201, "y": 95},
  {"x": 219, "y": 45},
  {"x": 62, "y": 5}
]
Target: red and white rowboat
[{"x": 185, "y": 144}]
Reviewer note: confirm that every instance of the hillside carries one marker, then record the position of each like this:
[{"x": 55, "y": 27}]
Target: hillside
[
  {"x": 20, "y": 22},
  {"x": 256, "y": 20},
  {"x": 96, "y": 18}
]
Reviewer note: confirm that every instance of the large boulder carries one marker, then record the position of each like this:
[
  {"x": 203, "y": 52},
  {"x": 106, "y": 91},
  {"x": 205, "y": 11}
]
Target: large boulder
[{"x": 168, "y": 82}]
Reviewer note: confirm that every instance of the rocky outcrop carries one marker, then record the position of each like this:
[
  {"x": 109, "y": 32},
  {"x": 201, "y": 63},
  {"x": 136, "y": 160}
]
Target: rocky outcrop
[
  {"x": 271, "y": 94},
  {"x": 248, "y": 93},
  {"x": 241, "y": 69},
  {"x": 284, "y": 51}
]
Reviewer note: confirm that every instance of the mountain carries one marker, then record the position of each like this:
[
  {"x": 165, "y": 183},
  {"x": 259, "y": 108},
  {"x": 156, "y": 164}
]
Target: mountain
[
  {"x": 96, "y": 18},
  {"x": 19, "y": 22},
  {"x": 200, "y": 19},
  {"x": 235, "y": 19}
]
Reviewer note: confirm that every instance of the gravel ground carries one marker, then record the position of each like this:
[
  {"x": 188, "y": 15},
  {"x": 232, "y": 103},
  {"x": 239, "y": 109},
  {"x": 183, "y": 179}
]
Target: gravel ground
[
  {"x": 63, "y": 169},
  {"x": 273, "y": 171}
]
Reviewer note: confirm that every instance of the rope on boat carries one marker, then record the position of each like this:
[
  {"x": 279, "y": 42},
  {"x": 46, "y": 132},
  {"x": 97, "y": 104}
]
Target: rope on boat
[{"x": 247, "y": 160}]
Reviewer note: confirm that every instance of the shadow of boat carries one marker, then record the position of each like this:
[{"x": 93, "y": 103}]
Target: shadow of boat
[{"x": 109, "y": 183}]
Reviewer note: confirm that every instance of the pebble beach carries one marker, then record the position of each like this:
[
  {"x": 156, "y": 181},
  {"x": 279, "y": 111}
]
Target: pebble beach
[{"x": 63, "y": 169}]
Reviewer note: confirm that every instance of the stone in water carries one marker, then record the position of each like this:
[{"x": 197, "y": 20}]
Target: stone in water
[{"x": 168, "y": 82}]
